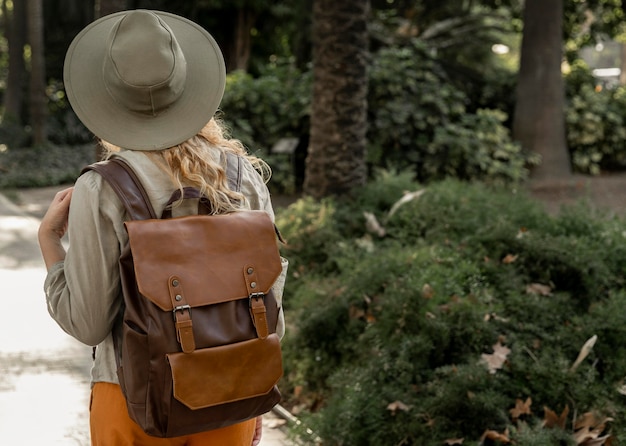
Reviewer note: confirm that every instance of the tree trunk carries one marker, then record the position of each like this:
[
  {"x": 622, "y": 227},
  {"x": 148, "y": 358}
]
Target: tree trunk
[
  {"x": 38, "y": 100},
  {"x": 15, "y": 32},
  {"x": 335, "y": 161},
  {"x": 539, "y": 121},
  {"x": 106, "y": 7},
  {"x": 240, "y": 48}
]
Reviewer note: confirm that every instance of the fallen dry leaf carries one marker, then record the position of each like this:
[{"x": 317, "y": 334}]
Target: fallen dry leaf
[
  {"x": 551, "y": 419},
  {"x": 396, "y": 406},
  {"x": 408, "y": 196},
  {"x": 539, "y": 289},
  {"x": 358, "y": 313},
  {"x": 521, "y": 408},
  {"x": 496, "y": 360},
  {"x": 589, "y": 429},
  {"x": 427, "y": 291},
  {"x": 372, "y": 225},
  {"x": 509, "y": 258},
  {"x": 584, "y": 352},
  {"x": 496, "y": 436},
  {"x": 600, "y": 441}
]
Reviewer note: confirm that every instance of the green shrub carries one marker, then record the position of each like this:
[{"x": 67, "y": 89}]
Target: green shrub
[
  {"x": 390, "y": 337},
  {"x": 409, "y": 96},
  {"x": 43, "y": 166},
  {"x": 596, "y": 127},
  {"x": 478, "y": 147},
  {"x": 418, "y": 120},
  {"x": 261, "y": 110}
]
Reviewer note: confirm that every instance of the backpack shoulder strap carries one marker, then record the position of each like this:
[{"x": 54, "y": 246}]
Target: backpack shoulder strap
[
  {"x": 128, "y": 188},
  {"x": 126, "y": 185}
]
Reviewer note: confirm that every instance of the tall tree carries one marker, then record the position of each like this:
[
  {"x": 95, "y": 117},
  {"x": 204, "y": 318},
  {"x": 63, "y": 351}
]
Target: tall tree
[
  {"x": 38, "y": 100},
  {"x": 15, "y": 22},
  {"x": 106, "y": 7},
  {"x": 539, "y": 121},
  {"x": 335, "y": 162}
]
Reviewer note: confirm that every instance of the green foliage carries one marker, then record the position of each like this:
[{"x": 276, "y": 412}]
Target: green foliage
[
  {"x": 408, "y": 99},
  {"x": 418, "y": 119},
  {"x": 64, "y": 127},
  {"x": 262, "y": 110},
  {"x": 478, "y": 147},
  {"x": 596, "y": 124},
  {"x": 389, "y": 335},
  {"x": 43, "y": 166}
]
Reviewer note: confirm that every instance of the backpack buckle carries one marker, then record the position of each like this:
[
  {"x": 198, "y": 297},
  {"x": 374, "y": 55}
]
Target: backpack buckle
[
  {"x": 254, "y": 296},
  {"x": 181, "y": 308}
]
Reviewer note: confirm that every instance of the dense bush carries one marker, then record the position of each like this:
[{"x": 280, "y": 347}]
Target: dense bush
[
  {"x": 43, "y": 166},
  {"x": 596, "y": 126},
  {"x": 261, "y": 110},
  {"x": 409, "y": 96},
  {"x": 419, "y": 120},
  {"x": 472, "y": 301}
]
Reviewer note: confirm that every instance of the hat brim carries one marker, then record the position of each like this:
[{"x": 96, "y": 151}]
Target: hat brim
[{"x": 112, "y": 122}]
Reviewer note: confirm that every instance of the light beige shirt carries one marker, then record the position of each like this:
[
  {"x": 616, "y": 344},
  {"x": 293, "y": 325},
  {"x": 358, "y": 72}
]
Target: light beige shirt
[{"x": 83, "y": 292}]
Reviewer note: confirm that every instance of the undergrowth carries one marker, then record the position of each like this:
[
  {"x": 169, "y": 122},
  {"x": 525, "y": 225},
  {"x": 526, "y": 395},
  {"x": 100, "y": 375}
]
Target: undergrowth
[
  {"x": 454, "y": 317},
  {"x": 43, "y": 166}
]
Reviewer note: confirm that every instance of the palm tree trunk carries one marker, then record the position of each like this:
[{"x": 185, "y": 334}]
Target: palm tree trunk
[
  {"x": 15, "y": 30},
  {"x": 539, "y": 120},
  {"x": 38, "y": 99},
  {"x": 335, "y": 162}
]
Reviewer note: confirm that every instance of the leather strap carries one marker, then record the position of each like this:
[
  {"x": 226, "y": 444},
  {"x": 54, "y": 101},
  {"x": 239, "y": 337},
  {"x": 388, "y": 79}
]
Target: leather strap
[
  {"x": 182, "y": 315},
  {"x": 127, "y": 186},
  {"x": 133, "y": 196},
  {"x": 257, "y": 304}
]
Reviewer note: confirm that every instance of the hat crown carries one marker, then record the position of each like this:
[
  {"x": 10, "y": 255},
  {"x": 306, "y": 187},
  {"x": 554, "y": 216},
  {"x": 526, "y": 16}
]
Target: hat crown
[
  {"x": 144, "y": 79},
  {"x": 145, "y": 68}
]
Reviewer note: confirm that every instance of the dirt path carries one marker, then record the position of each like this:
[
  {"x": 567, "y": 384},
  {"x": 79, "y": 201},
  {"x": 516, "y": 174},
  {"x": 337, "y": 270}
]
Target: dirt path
[{"x": 606, "y": 193}]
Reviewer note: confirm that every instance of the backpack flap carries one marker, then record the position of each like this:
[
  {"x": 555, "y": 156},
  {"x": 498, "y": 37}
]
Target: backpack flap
[{"x": 217, "y": 258}]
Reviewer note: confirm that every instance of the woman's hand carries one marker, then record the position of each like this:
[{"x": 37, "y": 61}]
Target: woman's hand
[
  {"x": 258, "y": 431},
  {"x": 55, "y": 220},
  {"x": 54, "y": 226}
]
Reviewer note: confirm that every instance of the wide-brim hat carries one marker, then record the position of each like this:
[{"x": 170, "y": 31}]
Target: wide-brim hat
[{"x": 144, "y": 80}]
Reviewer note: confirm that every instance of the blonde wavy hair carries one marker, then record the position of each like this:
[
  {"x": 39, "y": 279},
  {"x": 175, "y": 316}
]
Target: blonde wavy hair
[{"x": 192, "y": 163}]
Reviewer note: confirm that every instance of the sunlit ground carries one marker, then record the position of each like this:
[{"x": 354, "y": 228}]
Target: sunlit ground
[{"x": 44, "y": 374}]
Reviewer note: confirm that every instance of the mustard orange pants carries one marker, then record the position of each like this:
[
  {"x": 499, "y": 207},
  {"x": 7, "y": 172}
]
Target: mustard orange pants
[{"x": 111, "y": 425}]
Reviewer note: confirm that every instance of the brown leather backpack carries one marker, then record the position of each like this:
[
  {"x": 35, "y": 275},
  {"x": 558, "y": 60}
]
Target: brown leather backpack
[{"x": 196, "y": 346}]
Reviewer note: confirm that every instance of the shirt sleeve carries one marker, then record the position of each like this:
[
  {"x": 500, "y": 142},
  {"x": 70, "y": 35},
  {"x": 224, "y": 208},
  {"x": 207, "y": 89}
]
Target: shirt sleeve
[
  {"x": 256, "y": 192},
  {"x": 83, "y": 291}
]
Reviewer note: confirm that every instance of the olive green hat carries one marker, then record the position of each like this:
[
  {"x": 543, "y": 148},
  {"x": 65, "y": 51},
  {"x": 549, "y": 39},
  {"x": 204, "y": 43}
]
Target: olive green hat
[{"x": 144, "y": 80}]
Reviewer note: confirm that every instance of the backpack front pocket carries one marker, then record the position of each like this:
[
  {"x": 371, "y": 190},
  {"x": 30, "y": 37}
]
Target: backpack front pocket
[{"x": 217, "y": 375}]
